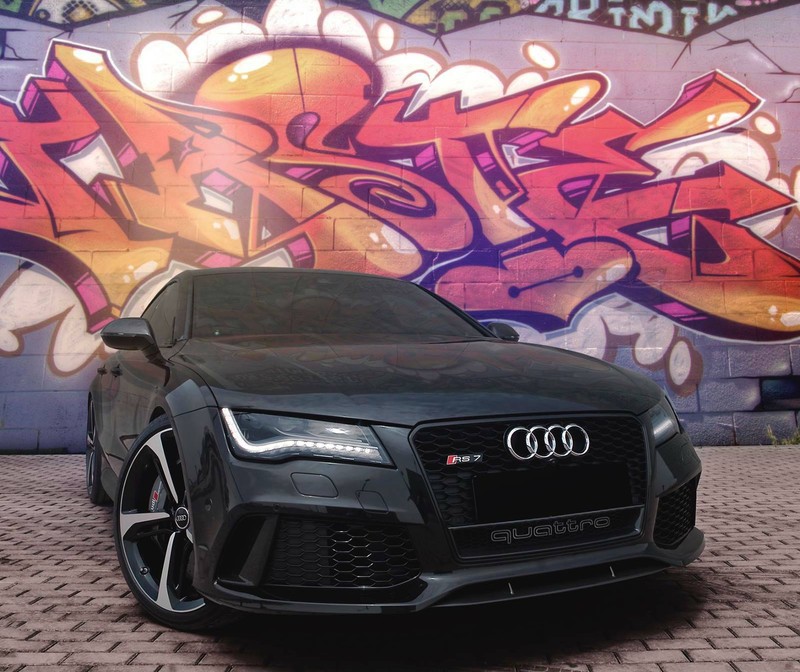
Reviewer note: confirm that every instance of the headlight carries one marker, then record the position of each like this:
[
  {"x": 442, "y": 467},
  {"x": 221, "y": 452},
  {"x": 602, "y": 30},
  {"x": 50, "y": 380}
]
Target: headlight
[
  {"x": 274, "y": 437},
  {"x": 664, "y": 421}
]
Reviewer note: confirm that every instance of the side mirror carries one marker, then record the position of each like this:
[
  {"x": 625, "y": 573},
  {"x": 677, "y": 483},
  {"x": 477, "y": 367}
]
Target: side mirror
[
  {"x": 131, "y": 333},
  {"x": 503, "y": 331}
]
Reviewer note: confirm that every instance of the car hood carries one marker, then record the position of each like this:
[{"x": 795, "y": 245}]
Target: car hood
[{"x": 408, "y": 383}]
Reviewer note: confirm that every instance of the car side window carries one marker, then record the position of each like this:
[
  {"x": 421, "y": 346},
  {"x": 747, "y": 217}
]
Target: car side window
[{"x": 161, "y": 315}]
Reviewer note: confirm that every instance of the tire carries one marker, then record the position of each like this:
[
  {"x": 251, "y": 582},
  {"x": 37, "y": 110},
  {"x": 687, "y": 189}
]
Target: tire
[
  {"x": 152, "y": 534},
  {"x": 94, "y": 461}
]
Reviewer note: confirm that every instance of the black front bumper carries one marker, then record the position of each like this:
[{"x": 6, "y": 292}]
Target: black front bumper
[{"x": 307, "y": 536}]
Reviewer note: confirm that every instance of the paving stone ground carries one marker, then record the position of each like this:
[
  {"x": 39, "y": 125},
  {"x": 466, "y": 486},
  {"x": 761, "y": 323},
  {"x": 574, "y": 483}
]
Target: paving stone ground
[{"x": 65, "y": 607}]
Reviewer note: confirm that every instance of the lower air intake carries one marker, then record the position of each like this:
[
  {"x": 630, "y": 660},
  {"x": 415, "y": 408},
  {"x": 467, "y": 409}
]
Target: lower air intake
[
  {"x": 323, "y": 554},
  {"x": 676, "y": 515}
]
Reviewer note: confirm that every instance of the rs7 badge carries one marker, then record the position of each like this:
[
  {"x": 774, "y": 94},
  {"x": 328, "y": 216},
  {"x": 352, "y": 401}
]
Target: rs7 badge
[{"x": 460, "y": 459}]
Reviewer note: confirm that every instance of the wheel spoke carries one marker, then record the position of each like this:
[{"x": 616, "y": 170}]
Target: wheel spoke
[
  {"x": 128, "y": 521},
  {"x": 164, "y": 599},
  {"x": 185, "y": 553},
  {"x": 156, "y": 447}
]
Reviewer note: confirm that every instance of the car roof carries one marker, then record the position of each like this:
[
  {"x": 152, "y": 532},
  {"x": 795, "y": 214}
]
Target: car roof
[{"x": 226, "y": 270}]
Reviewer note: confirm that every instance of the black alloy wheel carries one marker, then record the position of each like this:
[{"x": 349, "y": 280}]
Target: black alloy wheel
[
  {"x": 94, "y": 462},
  {"x": 153, "y": 534}
]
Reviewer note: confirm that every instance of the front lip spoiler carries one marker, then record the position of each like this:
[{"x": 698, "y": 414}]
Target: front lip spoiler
[
  {"x": 537, "y": 585},
  {"x": 513, "y": 581}
]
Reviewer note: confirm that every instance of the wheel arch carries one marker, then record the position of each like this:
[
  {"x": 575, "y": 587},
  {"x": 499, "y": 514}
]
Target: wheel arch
[
  {"x": 158, "y": 411},
  {"x": 173, "y": 601}
]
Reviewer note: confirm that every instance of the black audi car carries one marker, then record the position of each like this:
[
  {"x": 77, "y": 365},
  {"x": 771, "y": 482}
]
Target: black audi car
[{"x": 282, "y": 440}]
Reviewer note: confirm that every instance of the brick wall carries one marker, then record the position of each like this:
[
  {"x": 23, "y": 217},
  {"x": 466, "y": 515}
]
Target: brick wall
[{"x": 614, "y": 178}]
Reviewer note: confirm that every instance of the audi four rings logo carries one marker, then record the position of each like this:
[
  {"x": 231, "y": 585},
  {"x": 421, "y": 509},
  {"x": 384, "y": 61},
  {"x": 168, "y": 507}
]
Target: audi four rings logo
[{"x": 542, "y": 442}]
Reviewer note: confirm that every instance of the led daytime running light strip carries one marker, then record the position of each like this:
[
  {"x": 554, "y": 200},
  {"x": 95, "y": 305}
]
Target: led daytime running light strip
[{"x": 278, "y": 446}]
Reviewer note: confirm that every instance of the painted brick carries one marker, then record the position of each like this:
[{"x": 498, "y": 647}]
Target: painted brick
[
  {"x": 23, "y": 373},
  {"x": 709, "y": 429},
  {"x": 751, "y": 428},
  {"x": 683, "y": 405},
  {"x": 716, "y": 363},
  {"x": 733, "y": 394},
  {"x": 17, "y": 440},
  {"x": 48, "y": 409},
  {"x": 761, "y": 360}
]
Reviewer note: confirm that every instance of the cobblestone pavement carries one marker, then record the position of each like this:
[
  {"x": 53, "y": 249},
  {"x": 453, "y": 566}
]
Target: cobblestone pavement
[{"x": 64, "y": 605}]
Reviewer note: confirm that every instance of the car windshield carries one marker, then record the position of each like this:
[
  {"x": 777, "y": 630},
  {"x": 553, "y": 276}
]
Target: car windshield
[{"x": 278, "y": 303}]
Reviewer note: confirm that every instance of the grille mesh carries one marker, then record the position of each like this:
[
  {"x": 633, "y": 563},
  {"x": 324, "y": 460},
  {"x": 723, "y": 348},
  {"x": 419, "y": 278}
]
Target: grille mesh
[
  {"x": 676, "y": 515},
  {"x": 614, "y": 440},
  {"x": 324, "y": 554}
]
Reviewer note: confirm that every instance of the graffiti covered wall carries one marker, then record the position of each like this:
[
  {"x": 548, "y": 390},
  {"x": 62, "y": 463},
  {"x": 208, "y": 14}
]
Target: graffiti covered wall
[{"x": 614, "y": 177}]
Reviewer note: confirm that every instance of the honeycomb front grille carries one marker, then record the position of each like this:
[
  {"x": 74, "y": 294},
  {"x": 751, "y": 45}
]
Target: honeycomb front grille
[
  {"x": 675, "y": 516},
  {"x": 616, "y": 442},
  {"x": 323, "y": 554}
]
